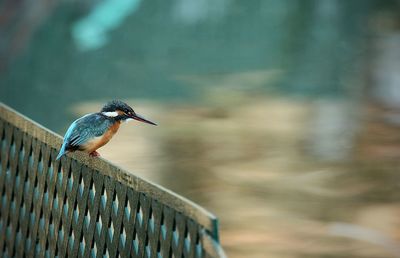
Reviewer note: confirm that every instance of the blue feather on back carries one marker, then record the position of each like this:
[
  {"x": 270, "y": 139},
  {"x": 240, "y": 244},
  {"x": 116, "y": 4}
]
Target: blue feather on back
[{"x": 84, "y": 129}]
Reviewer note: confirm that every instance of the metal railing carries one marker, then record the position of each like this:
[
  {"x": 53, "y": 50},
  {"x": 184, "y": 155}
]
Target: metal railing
[{"x": 87, "y": 207}]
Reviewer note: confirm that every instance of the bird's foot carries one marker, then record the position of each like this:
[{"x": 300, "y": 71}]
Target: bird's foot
[{"x": 94, "y": 154}]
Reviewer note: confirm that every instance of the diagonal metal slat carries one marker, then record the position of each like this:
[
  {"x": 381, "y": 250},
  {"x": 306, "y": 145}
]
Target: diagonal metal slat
[{"x": 15, "y": 184}]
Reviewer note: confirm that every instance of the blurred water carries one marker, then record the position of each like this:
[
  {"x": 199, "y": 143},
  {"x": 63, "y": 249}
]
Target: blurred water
[{"x": 281, "y": 117}]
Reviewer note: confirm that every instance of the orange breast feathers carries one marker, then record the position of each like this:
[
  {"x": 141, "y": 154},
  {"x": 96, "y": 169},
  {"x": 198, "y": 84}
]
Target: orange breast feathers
[{"x": 97, "y": 142}]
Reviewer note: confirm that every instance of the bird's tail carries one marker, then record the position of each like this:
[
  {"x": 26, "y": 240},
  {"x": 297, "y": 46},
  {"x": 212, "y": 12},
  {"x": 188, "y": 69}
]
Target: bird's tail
[{"x": 62, "y": 152}]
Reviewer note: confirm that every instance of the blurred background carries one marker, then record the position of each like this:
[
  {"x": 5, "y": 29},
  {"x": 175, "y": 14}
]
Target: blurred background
[{"x": 282, "y": 117}]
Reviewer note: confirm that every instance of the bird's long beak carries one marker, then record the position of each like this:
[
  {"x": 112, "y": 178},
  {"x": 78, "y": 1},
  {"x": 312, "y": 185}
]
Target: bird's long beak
[{"x": 142, "y": 119}]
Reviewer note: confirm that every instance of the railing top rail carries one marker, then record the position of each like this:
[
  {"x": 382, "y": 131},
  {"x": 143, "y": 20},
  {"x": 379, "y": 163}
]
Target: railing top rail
[{"x": 173, "y": 200}]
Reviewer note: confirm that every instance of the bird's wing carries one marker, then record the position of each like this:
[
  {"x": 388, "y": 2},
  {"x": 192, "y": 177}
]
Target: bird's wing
[{"x": 86, "y": 128}]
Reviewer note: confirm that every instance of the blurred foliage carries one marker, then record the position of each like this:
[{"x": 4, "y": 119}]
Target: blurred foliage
[{"x": 317, "y": 45}]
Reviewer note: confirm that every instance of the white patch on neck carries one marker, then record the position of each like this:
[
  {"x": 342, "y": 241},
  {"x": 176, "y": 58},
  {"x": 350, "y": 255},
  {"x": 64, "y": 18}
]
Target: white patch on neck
[
  {"x": 128, "y": 119},
  {"x": 110, "y": 114}
]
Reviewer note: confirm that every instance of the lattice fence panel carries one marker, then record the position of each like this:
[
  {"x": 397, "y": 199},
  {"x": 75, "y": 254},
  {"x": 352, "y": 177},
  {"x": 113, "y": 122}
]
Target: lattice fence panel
[{"x": 64, "y": 208}]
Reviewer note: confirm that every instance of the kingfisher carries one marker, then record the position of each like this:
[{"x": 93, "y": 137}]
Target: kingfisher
[{"x": 92, "y": 131}]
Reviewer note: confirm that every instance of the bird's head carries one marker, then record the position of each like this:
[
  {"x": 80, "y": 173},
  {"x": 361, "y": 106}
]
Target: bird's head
[{"x": 122, "y": 112}]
